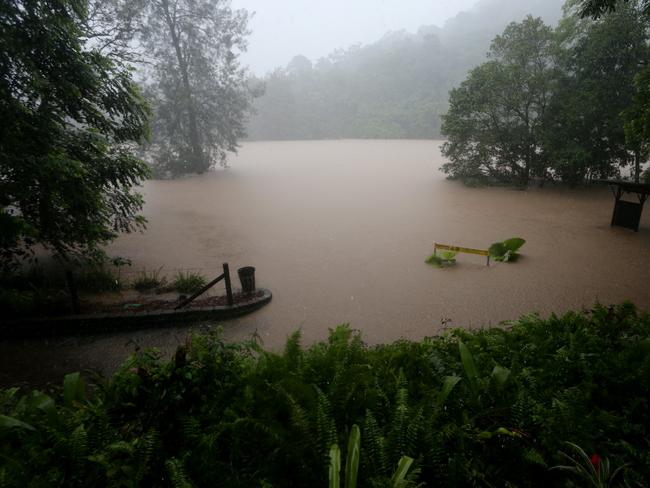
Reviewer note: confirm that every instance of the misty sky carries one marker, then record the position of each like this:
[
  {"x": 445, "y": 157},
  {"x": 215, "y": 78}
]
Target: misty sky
[{"x": 284, "y": 28}]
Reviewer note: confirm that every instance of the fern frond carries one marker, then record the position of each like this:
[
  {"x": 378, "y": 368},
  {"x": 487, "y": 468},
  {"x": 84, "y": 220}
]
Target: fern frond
[
  {"x": 325, "y": 426},
  {"x": 79, "y": 448},
  {"x": 191, "y": 428},
  {"x": 293, "y": 351},
  {"x": 147, "y": 446},
  {"x": 176, "y": 472}
]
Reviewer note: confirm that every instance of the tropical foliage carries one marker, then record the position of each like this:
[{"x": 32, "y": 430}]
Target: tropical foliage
[
  {"x": 441, "y": 259},
  {"x": 542, "y": 106},
  {"x": 483, "y": 408},
  {"x": 187, "y": 55},
  {"x": 507, "y": 250},
  {"x": 396, "y": 87},
  {"x": 70, "y": 119}
]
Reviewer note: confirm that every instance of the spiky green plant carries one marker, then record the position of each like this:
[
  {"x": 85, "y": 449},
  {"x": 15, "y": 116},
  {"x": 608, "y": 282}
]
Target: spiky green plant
[
  {"x": 397, "y": 480},
  {"x": 595, "y": 471},
  {"x": 149, "y": 280},
  {"x": 188, "y": 282}
]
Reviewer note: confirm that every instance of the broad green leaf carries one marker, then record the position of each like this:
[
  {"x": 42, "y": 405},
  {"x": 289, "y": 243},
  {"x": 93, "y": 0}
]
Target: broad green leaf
[
  {"x": 434, "y": 260},
  {"x": 448, "y": 385},
  {"x": 497, "y": 250},
  {"x": 398, "y": 479},
  {"x": 468, "y": 365},
  {"x": 500, "y": 374},
  {"x": 447, "y": 255},
  {"x": 12, "y": 423},
  {"x": 513, "y": 244},
  {"x": 508, "y": 432},
  {"x": 73, "y": 388},
  {"x": 335, "y": 467},
  {"x": 352, "y": 458}
]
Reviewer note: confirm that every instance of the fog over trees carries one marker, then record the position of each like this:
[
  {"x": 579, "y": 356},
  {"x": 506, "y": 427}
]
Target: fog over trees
[
  {"x": 396, "y": 87},
  {"x": 186, "y": 56}
]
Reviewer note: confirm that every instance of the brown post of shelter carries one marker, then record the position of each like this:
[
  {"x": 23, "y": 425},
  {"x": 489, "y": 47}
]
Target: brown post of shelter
[{"x": 627, "y": 214}]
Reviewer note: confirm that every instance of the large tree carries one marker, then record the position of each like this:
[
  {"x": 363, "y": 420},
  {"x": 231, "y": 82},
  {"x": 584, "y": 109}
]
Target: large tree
[
  {"x": 70, "y": 118},
  {"x": 597, "y": 8},
  {"x": 599, "y": 59},
  {"x": 494, "y": 123},
  {"x": 196, "y": 84}
]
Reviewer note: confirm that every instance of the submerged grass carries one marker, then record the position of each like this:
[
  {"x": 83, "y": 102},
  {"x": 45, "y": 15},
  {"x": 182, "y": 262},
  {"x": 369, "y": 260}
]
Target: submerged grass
[
  {"x": 149, "y": 280},
  {"x": 188, "y": 282}
]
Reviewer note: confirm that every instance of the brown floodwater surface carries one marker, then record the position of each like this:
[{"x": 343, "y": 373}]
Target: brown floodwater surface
[{"x": 339, "y": 231}]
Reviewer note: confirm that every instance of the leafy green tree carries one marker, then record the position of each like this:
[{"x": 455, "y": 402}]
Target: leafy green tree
[
  {"x": 198, "y": 88},
  {"x": 637, "y": 116},
  {"x": 597, "y": 8},
  {"x": 70, "y": 118},
  {"x": 598, "y": 62},
  {"x": 494, "y": 124},
  {"x": 637, "y": 123}
]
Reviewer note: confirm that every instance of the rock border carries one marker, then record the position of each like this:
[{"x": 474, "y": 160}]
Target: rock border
[{"x": 119, "y": 322}]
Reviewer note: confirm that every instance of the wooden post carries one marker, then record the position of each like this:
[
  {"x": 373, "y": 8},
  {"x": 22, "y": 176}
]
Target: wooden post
[
  {"x": 226, "y": 274},
  {"x": 73, "y": 291}
]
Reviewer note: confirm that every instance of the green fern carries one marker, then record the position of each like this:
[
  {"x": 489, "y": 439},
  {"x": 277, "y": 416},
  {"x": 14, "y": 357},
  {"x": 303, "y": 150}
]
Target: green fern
[
  {"x": 176, "y": 472},
  {"x": 325, "y": 426},
  {"x": 293, "y": 351},
  {"x": 146, "y": 449},
  {"x": 376, "y": 457}
]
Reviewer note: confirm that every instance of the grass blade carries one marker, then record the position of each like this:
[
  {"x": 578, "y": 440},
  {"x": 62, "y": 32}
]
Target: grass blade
[
  {"x": 399, "y": 477},
  {"x": 335, "y": 467},
  {"x": 352, "y": 458}
]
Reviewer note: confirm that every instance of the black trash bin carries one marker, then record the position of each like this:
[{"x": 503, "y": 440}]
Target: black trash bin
[{"x": 247, "y": 278}]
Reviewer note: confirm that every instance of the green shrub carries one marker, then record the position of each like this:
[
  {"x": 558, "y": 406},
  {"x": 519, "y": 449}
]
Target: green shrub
[
  {"x": 188, "y": 282},
  {"x": 149, "y": 280},
  {"x": 98, "y": 279},
  {"x": 507, "y": 250},
  {"x": 491, "y": 407},
  {"x": 441, "y": 259}
]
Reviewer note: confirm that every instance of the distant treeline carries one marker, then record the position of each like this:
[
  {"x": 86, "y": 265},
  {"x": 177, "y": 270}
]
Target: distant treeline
[{"x": 397, "y": 87}]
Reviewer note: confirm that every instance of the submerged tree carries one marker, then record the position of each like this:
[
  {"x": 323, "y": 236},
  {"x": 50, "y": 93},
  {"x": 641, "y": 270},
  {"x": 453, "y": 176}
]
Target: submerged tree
[
  {"x": 70, "y": 119},
  {"x": 494, "y": 123},
  {"x": 197, "y": 86},
  {"x": 599, "y": 60}
]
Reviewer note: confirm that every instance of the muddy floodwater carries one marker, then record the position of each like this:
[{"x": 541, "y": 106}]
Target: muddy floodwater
[{"x": 339, "y": 231}]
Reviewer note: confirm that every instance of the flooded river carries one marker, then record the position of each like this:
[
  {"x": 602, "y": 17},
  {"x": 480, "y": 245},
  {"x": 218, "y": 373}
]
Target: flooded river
[{"x": 339, "y": 231}]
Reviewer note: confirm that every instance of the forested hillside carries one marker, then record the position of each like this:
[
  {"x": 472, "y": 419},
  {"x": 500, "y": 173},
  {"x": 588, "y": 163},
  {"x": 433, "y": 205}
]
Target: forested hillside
[{"x": 395, "y": 88}]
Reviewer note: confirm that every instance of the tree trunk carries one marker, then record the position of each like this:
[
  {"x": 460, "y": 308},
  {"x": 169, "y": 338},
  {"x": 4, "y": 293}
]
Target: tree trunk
[
  {"x": 637, "y": 166},
  {"x": 199, "y": 164}
]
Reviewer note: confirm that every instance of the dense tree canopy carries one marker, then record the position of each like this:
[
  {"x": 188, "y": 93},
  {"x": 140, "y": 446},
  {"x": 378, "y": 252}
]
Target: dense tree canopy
[
  {"x": 396, "y": 87},
  {"x": 70, "y": 117},
  {"x": 495, "y": 119},
  {"x": 597, "y": 8},
  {"x": 186, "y": 55},
  {"x": 559, "y": 104},
  {"x": 198, "y": 88}
]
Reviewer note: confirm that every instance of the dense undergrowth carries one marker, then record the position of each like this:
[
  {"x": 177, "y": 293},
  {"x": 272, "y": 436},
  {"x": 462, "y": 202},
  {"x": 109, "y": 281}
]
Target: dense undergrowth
[
  {"x": 483, "y": 408},
  {"x": 36, "y": 291}
]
